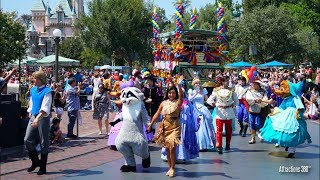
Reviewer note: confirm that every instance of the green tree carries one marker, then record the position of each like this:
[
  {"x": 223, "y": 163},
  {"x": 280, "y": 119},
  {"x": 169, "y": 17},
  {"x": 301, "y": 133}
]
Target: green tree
[
  {"x": 12, "y": 38},
  {"x": 71, "y": 48},
  {"x": 207, "y": 17},
  {"x": 273, "y": 31},
  {"x": 306, "y": 15},
  {"x": 90, "y": 58},
  {"x": 122, "y": 26}
]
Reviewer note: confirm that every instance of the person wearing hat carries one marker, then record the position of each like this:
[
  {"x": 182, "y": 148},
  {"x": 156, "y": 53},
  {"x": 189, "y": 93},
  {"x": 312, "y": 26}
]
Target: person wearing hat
[
  {"x": 254, "y": 97},
  {"x": 242, "y": 109},
  {"x": 153, "y": 97},
  {"x": 225, "y": 100}
]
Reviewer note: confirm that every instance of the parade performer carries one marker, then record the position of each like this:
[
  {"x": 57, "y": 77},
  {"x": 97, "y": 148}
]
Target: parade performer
[
  {"x": 39, "y": 125},
  {"x": 117, "y": 123},
  {"x": 189, "y": 120},
  {"x": 214, "y": 112},
  {"x": 131, "y": 139},
  {"x": 153, "y": 97},
  {"x": 225, "y": 100},
  {"x": 169, "y": 131},
  {"x": 286, "y": 125},
  {"x": 205, "y": 135},
  {"x": 255, "y": 96},
  {"x": 242, "y": 109}
]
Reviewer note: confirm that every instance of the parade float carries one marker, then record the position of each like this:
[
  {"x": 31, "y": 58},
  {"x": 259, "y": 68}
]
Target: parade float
[{"x": 189, "y": 51}]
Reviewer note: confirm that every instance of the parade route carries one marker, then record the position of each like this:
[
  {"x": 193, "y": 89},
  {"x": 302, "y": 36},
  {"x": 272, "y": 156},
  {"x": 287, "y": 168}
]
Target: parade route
[
  {"x": 89, "y": 158},
  {"x": 258, "y": 161}
]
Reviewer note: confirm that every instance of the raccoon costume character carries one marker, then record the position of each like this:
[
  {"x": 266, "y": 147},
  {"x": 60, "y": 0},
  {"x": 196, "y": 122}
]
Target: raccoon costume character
[{"x": 131, "y": 139}]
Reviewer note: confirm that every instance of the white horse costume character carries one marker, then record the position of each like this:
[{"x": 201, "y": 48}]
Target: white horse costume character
[{"x": 131, "y": 139}]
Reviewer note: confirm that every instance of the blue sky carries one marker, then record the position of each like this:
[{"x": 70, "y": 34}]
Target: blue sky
[{"x": 24, "y": 6}]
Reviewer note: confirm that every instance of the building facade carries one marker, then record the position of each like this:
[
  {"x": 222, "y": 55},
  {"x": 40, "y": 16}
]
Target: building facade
[{"x": 45, "y": 19}]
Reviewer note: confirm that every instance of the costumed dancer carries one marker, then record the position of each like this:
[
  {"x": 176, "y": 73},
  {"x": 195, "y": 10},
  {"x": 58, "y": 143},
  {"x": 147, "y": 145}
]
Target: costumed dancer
[
  {"x": 153, "y": 97},
  {"x": 131, "y": 139},
  {"x": 116, "y": 123},
  {"x": 255, "y": 96},
  {"x": 205, "y": 134},
  {"x": 242, "y": 109},
  {"x": 214, "y": 112},
  {"x": 286, "y": 126},
  {"x": 189, "y": 119},
  {"x": 169, "y": 131},
  {"x": 39, "y": 125},
  {"x": 225, "y": 101}
]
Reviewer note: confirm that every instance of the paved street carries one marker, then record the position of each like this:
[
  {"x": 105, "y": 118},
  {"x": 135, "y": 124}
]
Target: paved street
[
  {"x": 258, "y": 161},
  {"x": 89, "y": 158}
]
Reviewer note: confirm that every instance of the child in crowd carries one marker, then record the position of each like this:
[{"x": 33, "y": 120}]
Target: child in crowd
[
  {"x": 55, "y": 132},
  {"x": 311, "y": 108}
]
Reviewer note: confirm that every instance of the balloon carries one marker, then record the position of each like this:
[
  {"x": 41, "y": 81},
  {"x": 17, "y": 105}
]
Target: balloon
[
  {"x": 250, "y": 74},
  {"x": 255, "y": 73},
  {"x": 126, "y": 77},
  {"x": 253, "y": 68},
  {"x": 243, "y": 72},
  {"x": 251, "y": 79}
]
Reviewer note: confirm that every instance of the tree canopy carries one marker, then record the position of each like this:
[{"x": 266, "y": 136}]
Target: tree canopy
[
  {"x": 272, "y": 29},
  {"x": 12, "y": 38},
  {"x": 122, "y": 26}
]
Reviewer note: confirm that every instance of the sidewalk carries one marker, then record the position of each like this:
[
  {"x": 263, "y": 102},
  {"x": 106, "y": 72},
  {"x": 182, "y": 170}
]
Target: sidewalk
[{"x": 89, "y": 150}]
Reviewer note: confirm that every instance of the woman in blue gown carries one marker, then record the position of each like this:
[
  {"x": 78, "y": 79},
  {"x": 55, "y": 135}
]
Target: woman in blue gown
[
  {"x": 189, "y": 148},
  {"x": 286, "y": 126},
  {"x": 206, "y": 134}
]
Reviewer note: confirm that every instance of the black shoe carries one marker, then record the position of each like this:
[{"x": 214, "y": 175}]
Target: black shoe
[
  {"x": 113, "y": 147},
  {"x": 203, "y": 150},
  {"x": 227, "y": 147},
  {"x": 245, "y": 128},
  {"x": 43, "y": 164},
  {"x": 35, "y": 161},
  {"x": 286, "y": 149},
  {"x": 241, "y": 128},
  {"x": 71, "y": 136},
  {"x": 146, "y": 162},
  {"x": 291, "y": 155},
  {"x": 219, "y": 150},
  {"x": 126, "y": 168}
]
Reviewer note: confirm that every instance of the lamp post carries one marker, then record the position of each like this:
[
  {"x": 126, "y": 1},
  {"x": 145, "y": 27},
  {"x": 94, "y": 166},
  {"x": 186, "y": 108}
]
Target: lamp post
[{"x": 57, "y": 34}]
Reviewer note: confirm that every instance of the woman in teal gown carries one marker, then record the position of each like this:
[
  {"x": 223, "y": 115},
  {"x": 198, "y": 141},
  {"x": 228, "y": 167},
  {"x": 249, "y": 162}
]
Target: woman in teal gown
[{"x": 286, "y": 126}]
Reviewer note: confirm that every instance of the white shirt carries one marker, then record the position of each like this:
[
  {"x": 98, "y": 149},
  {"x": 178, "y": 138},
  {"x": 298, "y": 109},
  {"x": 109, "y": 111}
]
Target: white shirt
[
  {"x": 222, "y": 98},
  {"x": 46, "y": 104},
  {"x": 241, "y": 91}
]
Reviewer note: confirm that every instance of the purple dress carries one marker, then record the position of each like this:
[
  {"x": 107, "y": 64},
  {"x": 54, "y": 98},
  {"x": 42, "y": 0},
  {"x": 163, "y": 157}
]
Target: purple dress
[{"x": 114, "y": 131}]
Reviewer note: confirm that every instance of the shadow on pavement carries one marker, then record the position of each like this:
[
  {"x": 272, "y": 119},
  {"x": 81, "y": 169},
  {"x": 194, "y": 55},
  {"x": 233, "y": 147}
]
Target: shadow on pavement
[
  {"x": 201, "y": 174},
  {"x": 154, "y": 169},
  {"x": 246, "y": 150},
  {"x": 206, "y": 161},
  {"x": 298, "y": 155},
  {"x": 20, "y": 152},
  {"x": 76, "y": 173},
  {"x": 154, "y": 148}
]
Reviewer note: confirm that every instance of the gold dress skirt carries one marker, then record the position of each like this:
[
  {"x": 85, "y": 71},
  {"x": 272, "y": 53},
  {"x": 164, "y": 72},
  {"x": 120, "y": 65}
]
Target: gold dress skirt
[{"x": 169, "y": 131}]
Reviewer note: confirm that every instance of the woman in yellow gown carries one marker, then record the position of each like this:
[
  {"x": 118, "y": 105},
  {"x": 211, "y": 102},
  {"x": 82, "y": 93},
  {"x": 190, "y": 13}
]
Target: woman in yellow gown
[{"x": 169, "y": 131}]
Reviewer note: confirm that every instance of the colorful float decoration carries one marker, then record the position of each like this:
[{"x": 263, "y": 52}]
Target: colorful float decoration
[{"x": 193, "y": 47}]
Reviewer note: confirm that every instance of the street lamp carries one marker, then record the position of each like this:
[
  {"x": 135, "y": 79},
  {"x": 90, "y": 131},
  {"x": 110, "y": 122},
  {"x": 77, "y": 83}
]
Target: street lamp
[{"x": 57, "y": 34}]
